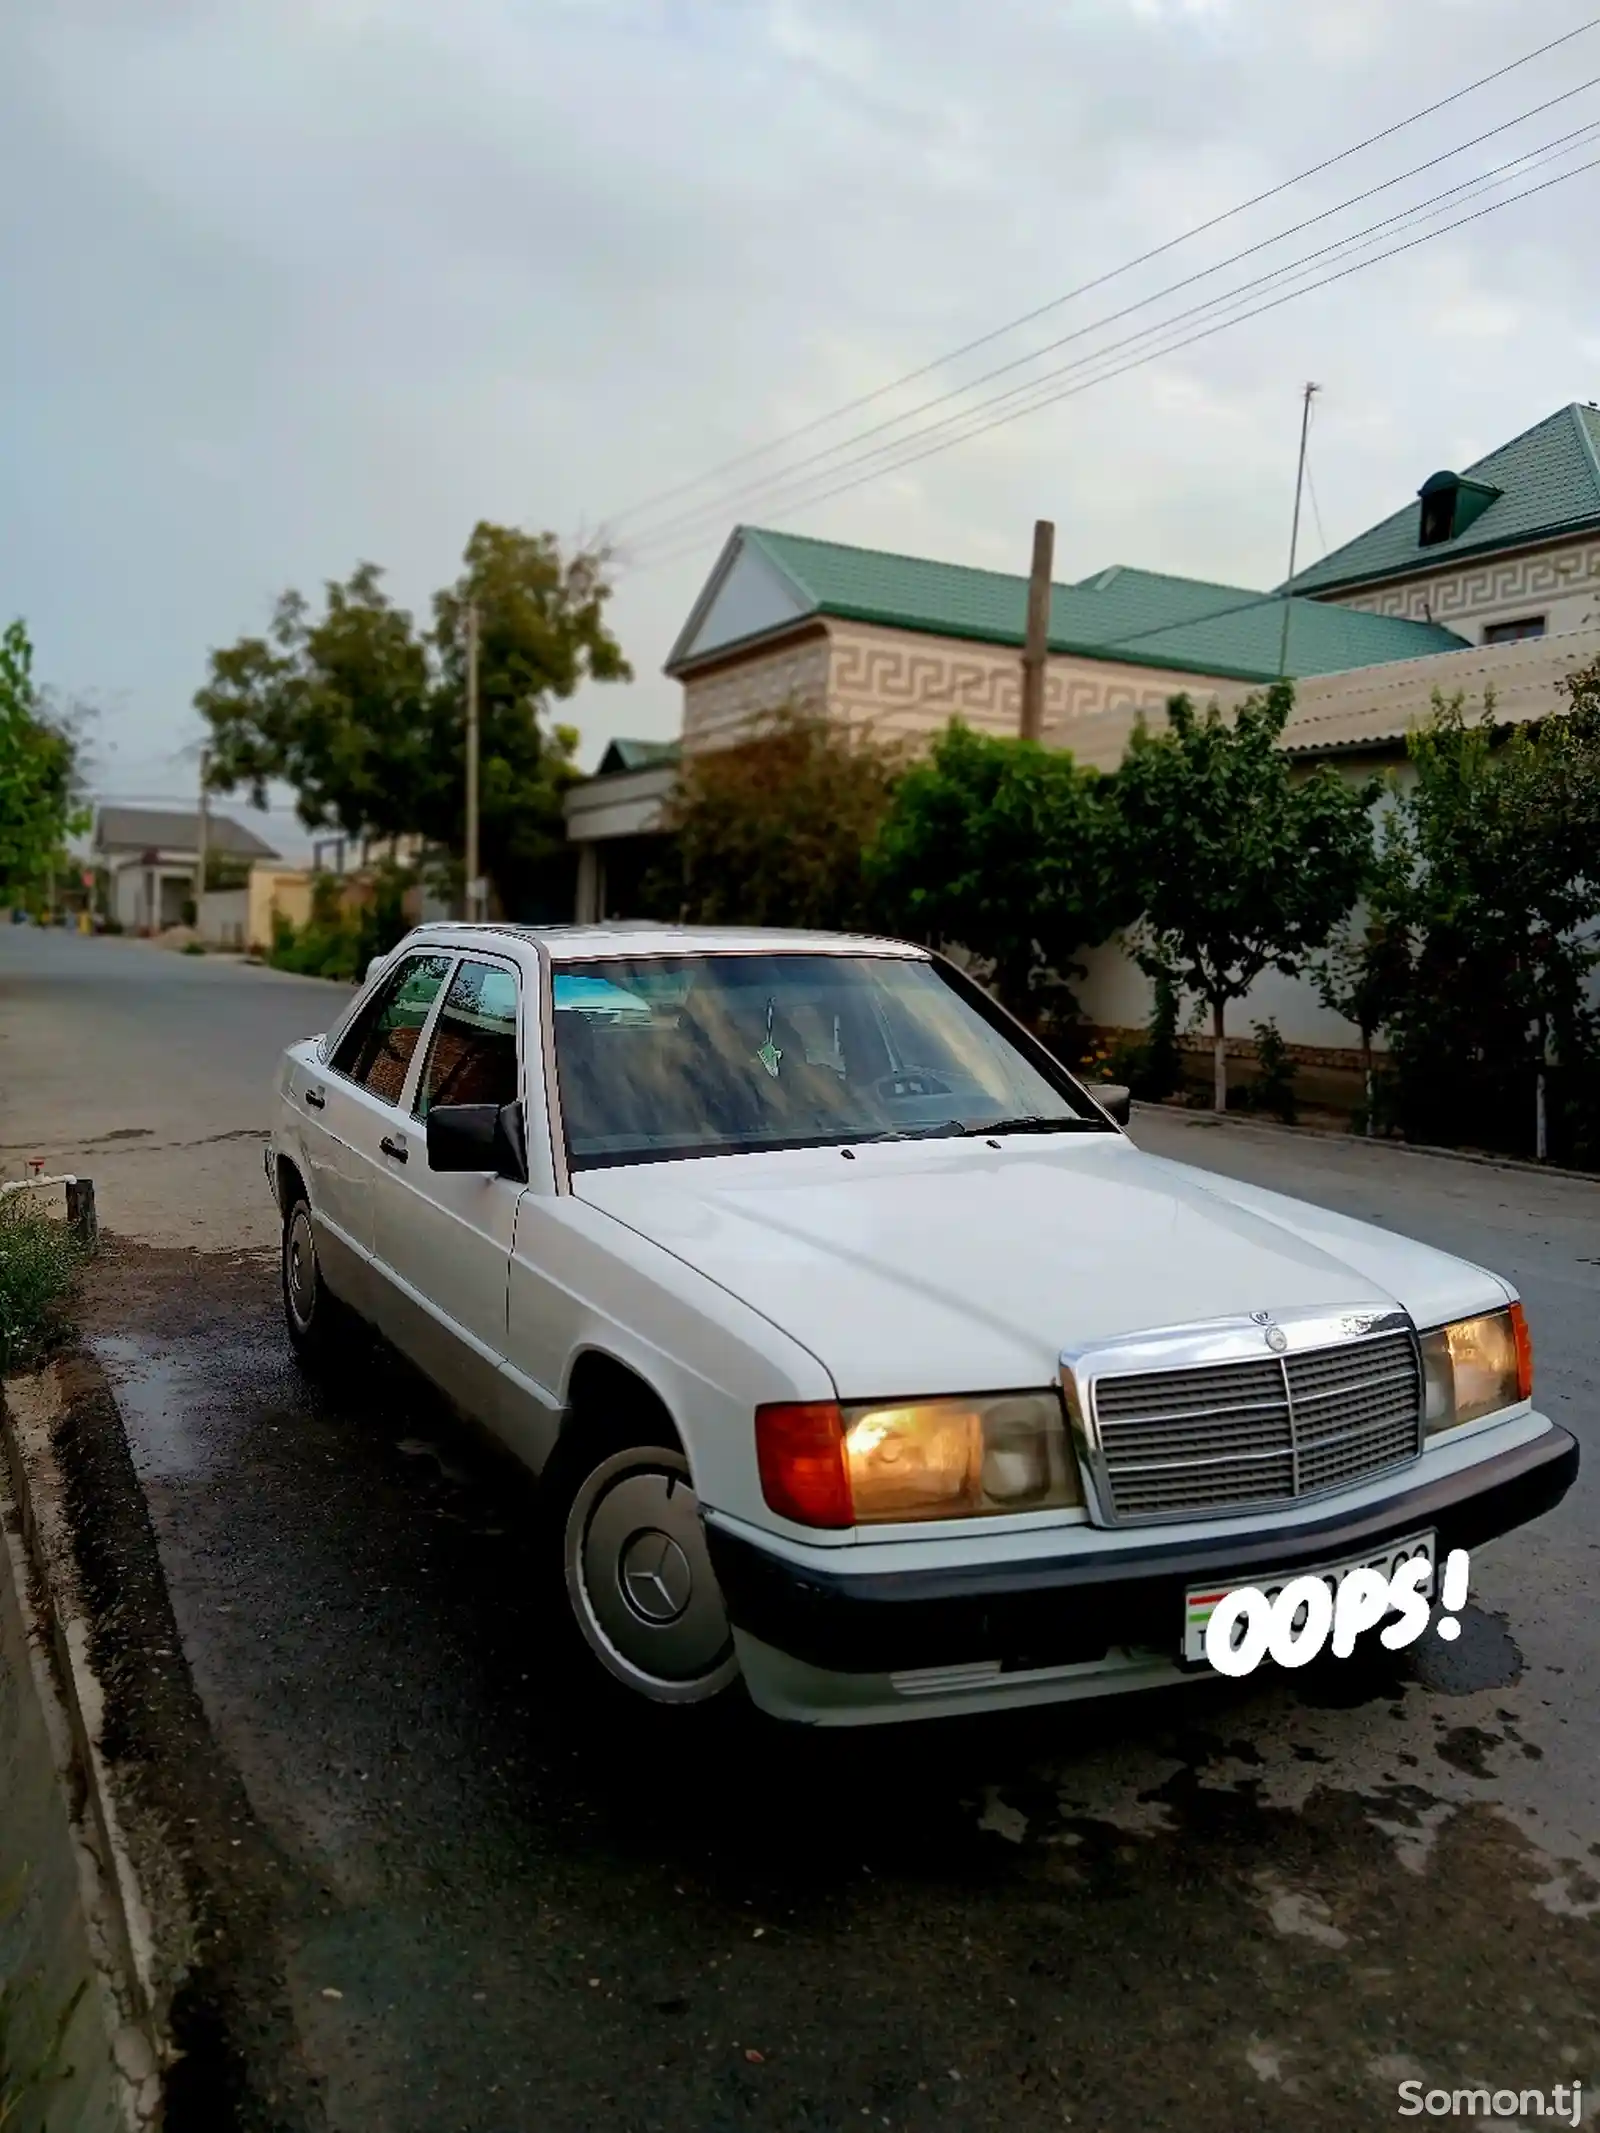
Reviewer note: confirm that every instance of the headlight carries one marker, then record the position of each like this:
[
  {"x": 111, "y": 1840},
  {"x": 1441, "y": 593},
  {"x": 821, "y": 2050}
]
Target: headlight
[
  {"x": 886, "y": 1462},
  {"x": 1475, "y": 1367}
]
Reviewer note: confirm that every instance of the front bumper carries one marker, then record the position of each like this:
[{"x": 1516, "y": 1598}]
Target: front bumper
[{"x": 1068, "y": 1612}]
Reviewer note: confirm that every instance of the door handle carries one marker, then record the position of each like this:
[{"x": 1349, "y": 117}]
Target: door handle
[
  {"x": 315, "y": 1100},
  {"x": 396, "y": 1149}
]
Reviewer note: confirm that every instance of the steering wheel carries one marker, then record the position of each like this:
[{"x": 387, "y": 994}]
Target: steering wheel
[{"x": 909, "y": 1083}]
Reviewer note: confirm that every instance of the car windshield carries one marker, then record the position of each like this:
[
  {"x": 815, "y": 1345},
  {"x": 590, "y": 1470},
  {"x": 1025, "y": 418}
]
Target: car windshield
[{"x": 681, "y": 1055}]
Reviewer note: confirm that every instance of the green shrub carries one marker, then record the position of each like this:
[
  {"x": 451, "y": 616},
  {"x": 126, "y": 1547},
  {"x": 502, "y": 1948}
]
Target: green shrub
[
  {"x": 335, "y": 943},
  {"x": 1272, "y": 1090},
  {"x": 38, "y": 1262}
]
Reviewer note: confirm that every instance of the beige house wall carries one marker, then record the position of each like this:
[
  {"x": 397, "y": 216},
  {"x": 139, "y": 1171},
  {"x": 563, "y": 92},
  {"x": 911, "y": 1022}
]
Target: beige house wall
[
  {"x": 1560, "y": 582},
  {"x": 718, "y": 703},
  {"x": 909, "y": 683},
  {"x": 901, "y": 682},
  {"x": 285, "y": 890}
]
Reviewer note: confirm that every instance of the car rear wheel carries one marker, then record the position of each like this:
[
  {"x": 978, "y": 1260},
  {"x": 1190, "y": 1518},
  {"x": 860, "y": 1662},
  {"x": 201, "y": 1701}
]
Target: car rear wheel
[
  {"x": 638, "y": 1577},
  {"x": 318, "y": 1324}
]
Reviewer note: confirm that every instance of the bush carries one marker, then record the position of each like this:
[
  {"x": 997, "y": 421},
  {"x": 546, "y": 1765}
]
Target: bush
[
  {"x": 39, "y": 1261},
  {"x": 1272, "y": 1090},
  {"x": 1150, "y": 1065},
  {"x": 335, "y": 943}
]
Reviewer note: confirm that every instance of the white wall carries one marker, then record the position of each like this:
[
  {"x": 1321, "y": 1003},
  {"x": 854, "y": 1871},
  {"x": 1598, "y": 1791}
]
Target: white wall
[
  {"x": 224, "y": 917},
  {"x": 1116, "y": 994}
]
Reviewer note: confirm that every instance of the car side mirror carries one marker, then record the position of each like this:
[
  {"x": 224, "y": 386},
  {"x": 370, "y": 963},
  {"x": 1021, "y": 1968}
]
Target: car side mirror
[
  {"x": 1113, "y": 1099},
  {"x": 478, "y": 1137}
]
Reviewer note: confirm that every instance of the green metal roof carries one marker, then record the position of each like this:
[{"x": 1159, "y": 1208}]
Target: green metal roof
[
  {"x": 1143, "y": 618},
  {"x": 635, "y": 755},
  {"x": 1549, "y": 484}
]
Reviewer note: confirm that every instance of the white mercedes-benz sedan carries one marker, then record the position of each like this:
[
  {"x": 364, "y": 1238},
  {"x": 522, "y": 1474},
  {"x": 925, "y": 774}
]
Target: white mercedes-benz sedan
[{"x": 863, "y": 1357}]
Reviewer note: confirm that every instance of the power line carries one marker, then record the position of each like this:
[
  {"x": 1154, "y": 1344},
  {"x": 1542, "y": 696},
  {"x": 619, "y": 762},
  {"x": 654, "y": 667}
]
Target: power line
[
  {"x": 1031, "y": 393},
  {"x": 1098, "y": 281},
  {"x": 783, "y": 478},
  {"x": 1147, "y": 356}
]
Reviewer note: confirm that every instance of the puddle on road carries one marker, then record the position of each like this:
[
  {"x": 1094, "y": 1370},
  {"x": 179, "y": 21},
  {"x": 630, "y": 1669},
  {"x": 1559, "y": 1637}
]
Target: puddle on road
[{"x": 183, "y": 1418}]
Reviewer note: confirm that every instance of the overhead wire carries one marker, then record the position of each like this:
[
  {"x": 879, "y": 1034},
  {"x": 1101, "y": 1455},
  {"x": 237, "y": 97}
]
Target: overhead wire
[
  {"x": 1150, "y": 354},
  {"x": 782, "y": 476},
  {"x": 1099, "y": 281}
]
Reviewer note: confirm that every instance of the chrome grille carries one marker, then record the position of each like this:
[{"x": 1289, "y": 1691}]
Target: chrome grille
[{"x": 1228, "y": 1436}]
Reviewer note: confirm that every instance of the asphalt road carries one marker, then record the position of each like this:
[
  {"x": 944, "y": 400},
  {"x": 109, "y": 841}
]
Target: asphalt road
[{"x": 446, "y": 1896}]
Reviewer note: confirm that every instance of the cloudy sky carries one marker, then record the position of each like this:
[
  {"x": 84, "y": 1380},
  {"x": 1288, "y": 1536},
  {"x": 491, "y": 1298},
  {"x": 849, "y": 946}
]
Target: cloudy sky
[{"x": 293, "y": 283}]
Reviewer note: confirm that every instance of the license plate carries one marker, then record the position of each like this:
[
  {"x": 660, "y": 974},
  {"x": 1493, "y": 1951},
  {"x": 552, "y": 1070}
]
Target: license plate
[{"x": 1199, "y": 1600}]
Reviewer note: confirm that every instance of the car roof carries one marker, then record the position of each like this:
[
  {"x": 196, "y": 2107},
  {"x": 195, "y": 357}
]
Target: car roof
[{"x": 637, "y": 937}]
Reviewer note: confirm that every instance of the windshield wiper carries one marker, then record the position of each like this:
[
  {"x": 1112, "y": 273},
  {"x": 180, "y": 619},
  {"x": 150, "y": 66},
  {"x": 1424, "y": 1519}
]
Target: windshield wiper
[{"x": 1032, "y": 1124}]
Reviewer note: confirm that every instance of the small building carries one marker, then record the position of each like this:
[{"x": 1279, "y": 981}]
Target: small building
[
  {"x": 150, "y": 858},
  {"x": 616, "y": 820}
]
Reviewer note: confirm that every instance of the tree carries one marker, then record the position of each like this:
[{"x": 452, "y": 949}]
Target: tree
[
  {"x": 1364, "y": 973},
  {"x": 1500, "y": 837},
  {"x": 1242, "y": 864},
  {"x": 39, "y": 809},
  {"x": 1004, "y": 848},
  {"x": 775, "y": 829},
  {"x": 363, "y": 714}
]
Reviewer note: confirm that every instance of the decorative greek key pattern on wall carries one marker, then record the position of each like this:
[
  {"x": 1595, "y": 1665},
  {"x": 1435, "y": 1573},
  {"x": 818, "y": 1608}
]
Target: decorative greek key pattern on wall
[
  {"x": 906, "y": 683},
  {"x": 1506, "y": 586},
  {"x": 900, "y": 682}
]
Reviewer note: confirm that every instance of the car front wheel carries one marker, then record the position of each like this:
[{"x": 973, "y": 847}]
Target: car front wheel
[{"x": 638, "y": 1576}]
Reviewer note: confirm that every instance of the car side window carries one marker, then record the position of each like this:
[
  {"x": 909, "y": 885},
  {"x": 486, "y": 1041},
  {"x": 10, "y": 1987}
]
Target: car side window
[
  {"x": 376, "y": 1051},
  {"x": 473, "y": 1056}
]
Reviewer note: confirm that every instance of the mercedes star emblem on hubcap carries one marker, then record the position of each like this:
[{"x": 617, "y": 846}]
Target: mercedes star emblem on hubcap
[{"x": 655, "y": 1577}]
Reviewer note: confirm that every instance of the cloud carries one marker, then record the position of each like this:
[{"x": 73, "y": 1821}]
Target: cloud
[{"x": 305, "y": 283}]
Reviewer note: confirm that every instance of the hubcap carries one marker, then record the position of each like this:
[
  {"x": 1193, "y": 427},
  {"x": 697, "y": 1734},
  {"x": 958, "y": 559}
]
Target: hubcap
[
  {"x": 300, "y": 1267},
  {"x": 657, "y": 1582},
  {"x": 641, "y": 1582}
]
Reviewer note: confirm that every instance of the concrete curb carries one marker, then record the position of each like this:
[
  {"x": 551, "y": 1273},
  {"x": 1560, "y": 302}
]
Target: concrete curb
[
  {"x": 115, "y": 1912},
  {"x": 1207, "y": 1121}
]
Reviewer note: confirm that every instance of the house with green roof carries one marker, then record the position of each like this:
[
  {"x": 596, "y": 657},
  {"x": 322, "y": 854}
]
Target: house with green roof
[
  {"x": 904, "y": 643},
  {"x": 1486, "y": 579},
  {"x": 1503, "y": 554},
  {"x": 1507, "y": 550}
]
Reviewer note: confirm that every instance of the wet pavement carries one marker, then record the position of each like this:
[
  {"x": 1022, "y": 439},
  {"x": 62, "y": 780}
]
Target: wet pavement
[
  {"x": 461, "y": 1898},
  {"x": 151, "y": 1072}
]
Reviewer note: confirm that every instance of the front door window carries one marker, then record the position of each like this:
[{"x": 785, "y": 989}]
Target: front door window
[
  {"x": 473, "y": 1056},
  {"x": 377, "y": 1049}
]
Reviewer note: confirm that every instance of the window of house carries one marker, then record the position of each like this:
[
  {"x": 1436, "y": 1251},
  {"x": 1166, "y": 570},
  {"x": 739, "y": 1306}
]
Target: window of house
[
  {"x": 377, "y": 1049},
  {"x": 1511, "y": 632},
  {"x": 473, "y": 1056}
]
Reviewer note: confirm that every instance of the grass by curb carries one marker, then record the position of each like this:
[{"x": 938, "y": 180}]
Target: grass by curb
[{"x": 39, "y": 1263}]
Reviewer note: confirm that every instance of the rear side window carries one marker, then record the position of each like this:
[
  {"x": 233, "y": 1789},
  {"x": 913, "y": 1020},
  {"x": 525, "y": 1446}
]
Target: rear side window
[
  {"x": 473, "y": 1056},
  {"x": 376, "y": 1050}
]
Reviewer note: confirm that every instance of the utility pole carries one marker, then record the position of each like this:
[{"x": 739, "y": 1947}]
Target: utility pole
[
  {"x": 1036, "y": 641},
  {"x": 474, "y": 899},
  {"x": 1310, "y": 394},
  {"x": 202, "y": 842}
]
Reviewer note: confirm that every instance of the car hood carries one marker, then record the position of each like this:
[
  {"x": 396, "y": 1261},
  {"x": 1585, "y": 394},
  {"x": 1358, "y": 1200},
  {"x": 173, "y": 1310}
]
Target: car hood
[{"x": 920, "y": 1267}]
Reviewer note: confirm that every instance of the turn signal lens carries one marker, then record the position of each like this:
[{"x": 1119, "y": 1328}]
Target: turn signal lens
[
  {"x": 800, "y": 1452},
  {"x": 1524, "y": 1341},
  {"x": 1475, "y": 1367}
]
